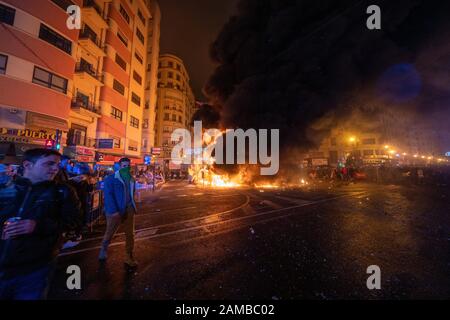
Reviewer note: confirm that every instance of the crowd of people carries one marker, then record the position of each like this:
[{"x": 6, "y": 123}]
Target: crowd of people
[
  {"x": 430, "y": 175},
  {"x": 44, "y": 206}
]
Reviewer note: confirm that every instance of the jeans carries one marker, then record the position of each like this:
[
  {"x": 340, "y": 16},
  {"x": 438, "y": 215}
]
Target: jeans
[
  {"x": 31, "y": 286},
  {"x": 112, "y": 224}
]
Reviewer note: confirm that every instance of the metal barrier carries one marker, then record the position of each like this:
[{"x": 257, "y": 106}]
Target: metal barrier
[{"x": 95, "y": 208}]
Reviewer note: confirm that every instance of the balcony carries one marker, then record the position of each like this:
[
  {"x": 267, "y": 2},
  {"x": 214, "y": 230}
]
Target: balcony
[
  {"x": 81, "y": 106},
  {"x": 85, "y": 71},
  {"x": 90, "y": 41},
  {"x": 94, "y": 13}
]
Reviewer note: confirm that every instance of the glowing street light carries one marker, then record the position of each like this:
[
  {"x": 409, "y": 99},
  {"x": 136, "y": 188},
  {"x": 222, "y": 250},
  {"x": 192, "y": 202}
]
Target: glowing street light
[{"x": 352, "y": 139}]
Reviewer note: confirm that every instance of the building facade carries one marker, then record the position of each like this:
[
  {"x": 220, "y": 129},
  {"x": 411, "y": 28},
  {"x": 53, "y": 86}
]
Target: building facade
[
  {"x": 38, "y": 54},
  {"x": 148, "y": 127},
  {"x": 83, "y": 90},
  {"x": 175, "y": 104},
  {"x": 124, "y": 69}
]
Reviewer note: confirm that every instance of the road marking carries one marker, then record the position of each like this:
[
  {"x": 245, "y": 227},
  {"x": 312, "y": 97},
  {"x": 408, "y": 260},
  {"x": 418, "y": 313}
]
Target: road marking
[
  {"x": 293, "y": 200},
  {"x": 271, "y": 204},
  {"x": 217, "y": 223},
  {"x": 182, "y": 195},
  {"x": 198, "y": 194}
]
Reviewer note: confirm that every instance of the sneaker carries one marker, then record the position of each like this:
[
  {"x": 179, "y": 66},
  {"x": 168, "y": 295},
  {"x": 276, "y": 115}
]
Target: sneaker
[
  {"x": 103, "y": 255},
  {"x": 70, "y": 244}
]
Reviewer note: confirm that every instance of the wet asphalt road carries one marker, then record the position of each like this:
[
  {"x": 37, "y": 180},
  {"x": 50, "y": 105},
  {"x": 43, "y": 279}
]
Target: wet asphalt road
[{"x": 199, "y": 243}]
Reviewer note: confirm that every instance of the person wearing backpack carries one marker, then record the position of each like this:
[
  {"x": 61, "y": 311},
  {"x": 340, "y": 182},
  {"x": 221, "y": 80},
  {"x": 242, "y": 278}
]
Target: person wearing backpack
[{"x": 34, "y": 213}]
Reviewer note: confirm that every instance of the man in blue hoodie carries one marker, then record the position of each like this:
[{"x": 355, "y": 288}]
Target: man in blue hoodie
[{"x": 120, "y": 207}]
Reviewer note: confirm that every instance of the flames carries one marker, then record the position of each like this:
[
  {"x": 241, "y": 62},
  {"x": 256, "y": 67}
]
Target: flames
[{"x": 205, "y": 176}]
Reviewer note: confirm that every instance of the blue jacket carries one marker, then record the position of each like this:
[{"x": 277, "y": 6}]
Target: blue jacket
[{"x": 115, "y": 197}]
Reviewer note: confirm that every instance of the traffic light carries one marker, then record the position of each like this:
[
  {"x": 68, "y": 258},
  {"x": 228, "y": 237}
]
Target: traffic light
[{"x": 49, "y": 144}]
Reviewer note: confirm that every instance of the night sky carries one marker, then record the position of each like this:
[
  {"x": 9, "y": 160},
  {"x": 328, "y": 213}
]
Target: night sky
[{"x": 188, "y": 27}]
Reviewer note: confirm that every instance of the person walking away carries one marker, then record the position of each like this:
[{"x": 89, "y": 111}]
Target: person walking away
[
  {"x": 83, "y": 187},
  {"x": 34, "y": 213},
  {"x": 120, "y": 207}
]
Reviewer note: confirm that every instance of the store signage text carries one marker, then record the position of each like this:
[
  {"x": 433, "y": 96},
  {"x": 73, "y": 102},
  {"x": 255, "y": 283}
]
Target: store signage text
[{"x": 27, "y": 133}]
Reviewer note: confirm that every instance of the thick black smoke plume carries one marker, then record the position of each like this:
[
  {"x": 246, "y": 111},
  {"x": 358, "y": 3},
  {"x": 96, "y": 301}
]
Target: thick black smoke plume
[{"x": 308, "y": 66}]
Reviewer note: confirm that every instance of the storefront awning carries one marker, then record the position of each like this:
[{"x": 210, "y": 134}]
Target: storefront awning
[{"x": 39, "y": 121}]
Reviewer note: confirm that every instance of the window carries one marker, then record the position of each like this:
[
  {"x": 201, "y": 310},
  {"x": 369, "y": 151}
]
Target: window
[
  {"x": 77, "y": 135},
  {"x": 7, "y": 14},
  {"x": 3, "y": 62},
  {"x": 137, "y": 77},
  {"x": 50, "y": 36},
  {"x": 170, "y": 64},
  {"x": 368, "y": 152},
  {"x": 134, "y": 122},
  {"x": 141, "y": 17},
  {"x": 49, "y": 80},
  {"x": 145, "y": 124},
  {"x": 166, "y": 116},
  {"x": 147, "y": 104},
  {"x": 136, "y": 99},
  {"x": 139, "y": 57},
  {"x": 174, "y": 118},
  {"x": 180, "y": 120},
  {"x": 333, "y": 141},
  {"x": 159, "y": 75},
  {"x": 178, "y": 77},
  {"x": 369, "y": 141},
  {"x": 118, "y": 87},
  {"x": 149, "y": 67},
  {"x": 122, "y": 38},
  {"x": 121, "y": 62},
  {"x": 171, "y": 75},
  {"x": 169, "y": 85},
  {"x": 116, "y": 113},
  {"x": 178, "y": 67},
  {"x": 140, "y": 35},
  {"x": 63, "y": 4},
  {"x": 124, "y": 14},
  {"x": 117, "y": 142}
]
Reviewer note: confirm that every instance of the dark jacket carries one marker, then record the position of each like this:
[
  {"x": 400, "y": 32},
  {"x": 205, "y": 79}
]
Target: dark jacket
[
  {"x": 55, "y": 208},
  {"x": 115, "y": 196}
]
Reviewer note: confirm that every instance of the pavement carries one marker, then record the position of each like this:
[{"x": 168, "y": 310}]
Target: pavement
[{"x": 248, "y": 243}]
